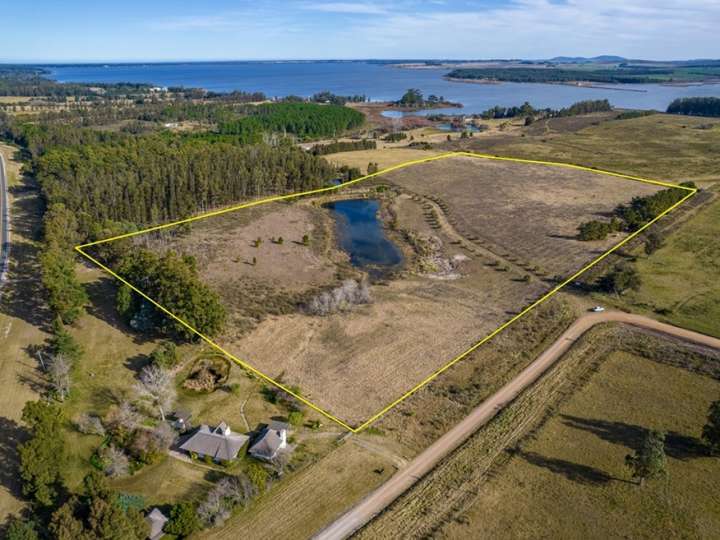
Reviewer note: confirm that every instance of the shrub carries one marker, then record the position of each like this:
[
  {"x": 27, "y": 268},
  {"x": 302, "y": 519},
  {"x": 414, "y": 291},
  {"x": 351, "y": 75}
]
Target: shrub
[
  {"x": 183, "y": 520},
  {"x": 165, "y": 355},
  {"x": 342, "y": 298},
  {"x": 295, "y": 418}
]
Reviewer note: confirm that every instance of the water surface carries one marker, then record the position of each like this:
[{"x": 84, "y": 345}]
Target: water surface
[
  {"x": 377, "y": 81},
  {"x": 361, "y": 235}
]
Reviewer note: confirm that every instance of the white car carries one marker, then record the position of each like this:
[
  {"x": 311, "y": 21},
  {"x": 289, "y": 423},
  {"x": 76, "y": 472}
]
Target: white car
[{"x": 597, "y": 309}]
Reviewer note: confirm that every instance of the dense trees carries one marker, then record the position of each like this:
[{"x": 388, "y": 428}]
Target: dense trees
[
  {"x": 535, "y": 75},
  {"x": 42, "y": 457},
  {"x": 695, "y": 106},
  {"x": 172, "y": 281},
  {"x": 151, "y": 179},
  {"x": 98, "y": 513},
  {"x": 305, "y": 120}
]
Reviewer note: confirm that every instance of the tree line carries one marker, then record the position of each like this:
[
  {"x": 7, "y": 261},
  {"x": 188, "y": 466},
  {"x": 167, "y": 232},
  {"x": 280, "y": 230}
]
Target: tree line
[
  {"x": 695, "y": 106},
  {"x": 527, "y": 110},
  {"x": 342, "y": 146},
  {"x": 632, "y": 217}
]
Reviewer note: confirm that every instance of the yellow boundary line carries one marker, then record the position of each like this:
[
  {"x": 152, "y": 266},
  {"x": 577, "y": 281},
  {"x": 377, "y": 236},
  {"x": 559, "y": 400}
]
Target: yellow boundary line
[{"x": 248, "y": 367}]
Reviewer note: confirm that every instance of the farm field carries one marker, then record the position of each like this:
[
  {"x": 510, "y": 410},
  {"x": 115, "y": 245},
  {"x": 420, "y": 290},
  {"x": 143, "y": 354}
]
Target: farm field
[
  {"x": 463, "y": 273},
  {"x": 571, "y": 475}
]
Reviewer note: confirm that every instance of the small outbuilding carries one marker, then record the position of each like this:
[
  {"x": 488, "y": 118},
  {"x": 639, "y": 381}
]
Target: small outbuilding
[
  {"x": 157, "y": 520},
  {"x": 271, "y": 440},
  {"x": 221, "y": 443}
]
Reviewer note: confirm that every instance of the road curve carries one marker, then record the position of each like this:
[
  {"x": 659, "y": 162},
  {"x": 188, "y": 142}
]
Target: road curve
[
  {"x": 4, "y": 224},
  {"x": 379, "y": 499}
]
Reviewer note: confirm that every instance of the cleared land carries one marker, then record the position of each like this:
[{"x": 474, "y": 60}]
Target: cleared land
[{"x": 501, "y": 230}]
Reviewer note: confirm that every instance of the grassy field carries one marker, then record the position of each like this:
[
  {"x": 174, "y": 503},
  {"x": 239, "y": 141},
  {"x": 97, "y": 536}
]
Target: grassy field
[
  {"x": 663, "y": 147},
  {"x": 679, "y": 281},
  {"x": 305, "y": 502},
  {"x": 22, "y": 320},
  {"x": 572, "y": 477},
  {"x": 569, "y": 434},
  {"x": 539, "y": 206}
]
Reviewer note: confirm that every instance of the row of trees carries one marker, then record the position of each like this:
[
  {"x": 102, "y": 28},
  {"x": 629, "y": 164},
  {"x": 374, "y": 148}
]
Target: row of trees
[
  {"x": 553, "y": 75},
  {"x": 342, "y": 146},
  {"x": 640, "y": 211},
  {"x": 527, "y": 110}
]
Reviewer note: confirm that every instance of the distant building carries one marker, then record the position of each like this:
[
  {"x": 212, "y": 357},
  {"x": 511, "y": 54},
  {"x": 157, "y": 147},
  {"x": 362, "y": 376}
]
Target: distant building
[
  {"x": 221, "y": 444},
  {"x": 157, "y": 520},
  {"x": 271, "y": 440}
]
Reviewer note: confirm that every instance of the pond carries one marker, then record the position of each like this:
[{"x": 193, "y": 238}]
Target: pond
[{"x": 361, "y": 235}]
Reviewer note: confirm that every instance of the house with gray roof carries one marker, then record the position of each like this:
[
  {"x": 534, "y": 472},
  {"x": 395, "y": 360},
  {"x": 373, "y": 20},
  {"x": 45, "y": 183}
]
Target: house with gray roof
[
  {"x": 271, "y": 440},
  {"x": 221, "y": 443},
  {"x": 157, "y": 520}
]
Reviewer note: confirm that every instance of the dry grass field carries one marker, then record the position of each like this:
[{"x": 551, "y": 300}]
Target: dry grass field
[
  {"x": 501, "y": 231},
  {"x": 529, "y": 212}
]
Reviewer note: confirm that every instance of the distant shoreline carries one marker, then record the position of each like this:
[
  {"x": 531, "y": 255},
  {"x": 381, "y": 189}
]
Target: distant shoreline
[{"x": 574, "y": 84}]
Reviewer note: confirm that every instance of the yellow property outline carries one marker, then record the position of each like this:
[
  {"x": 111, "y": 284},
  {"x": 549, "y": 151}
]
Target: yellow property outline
[{"x": 248, "y": 367}]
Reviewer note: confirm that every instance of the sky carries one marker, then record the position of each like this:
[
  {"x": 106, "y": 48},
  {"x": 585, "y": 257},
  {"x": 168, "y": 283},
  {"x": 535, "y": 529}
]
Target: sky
[{"x": 166, "y": 30}]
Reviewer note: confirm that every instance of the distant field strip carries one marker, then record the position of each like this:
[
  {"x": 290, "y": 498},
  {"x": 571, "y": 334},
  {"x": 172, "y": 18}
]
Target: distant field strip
[{"x": 323, "y": 410}]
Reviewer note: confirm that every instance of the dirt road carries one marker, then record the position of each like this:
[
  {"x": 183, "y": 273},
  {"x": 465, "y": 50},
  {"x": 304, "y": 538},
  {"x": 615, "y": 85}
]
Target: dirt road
[
  {"x": 4, "y": 223},
  {"x": 374, "y": 503}
]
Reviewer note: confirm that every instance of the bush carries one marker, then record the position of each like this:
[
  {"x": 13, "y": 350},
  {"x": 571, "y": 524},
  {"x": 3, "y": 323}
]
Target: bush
[
  {"x": 183, "y": 520},
  {"x": 598, "y": 230},
  {"x": 165, "y": 355},
  {"x": 342, "y": 298},
  {"x": 295, "y": 418}
]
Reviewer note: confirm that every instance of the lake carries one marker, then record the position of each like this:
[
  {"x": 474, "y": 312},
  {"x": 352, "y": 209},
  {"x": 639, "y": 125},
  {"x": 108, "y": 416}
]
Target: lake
[
  {"x": 378, "y": 82},
  {"x": 361, "y": 235}
]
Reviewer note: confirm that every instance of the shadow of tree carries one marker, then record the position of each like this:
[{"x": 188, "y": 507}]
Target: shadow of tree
[
  {"x": 25, "y": 296},
  {"x": 101, "y": 293},
  {"x": 582, "y": 474},
  {"x": 677, "y": 445},
  {"x": 11, "y": 435}
]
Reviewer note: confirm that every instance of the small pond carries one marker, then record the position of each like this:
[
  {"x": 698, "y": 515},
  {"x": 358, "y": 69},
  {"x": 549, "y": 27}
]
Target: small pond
[{"x": 361, "y": 234}]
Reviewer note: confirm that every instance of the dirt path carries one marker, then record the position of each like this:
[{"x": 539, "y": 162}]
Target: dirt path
[{"x": 374, "y": 503}]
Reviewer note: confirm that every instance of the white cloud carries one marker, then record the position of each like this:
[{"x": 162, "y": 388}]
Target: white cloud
[
  {"x": 539, "y": 29},
  {"x": 360, "y": 8}
]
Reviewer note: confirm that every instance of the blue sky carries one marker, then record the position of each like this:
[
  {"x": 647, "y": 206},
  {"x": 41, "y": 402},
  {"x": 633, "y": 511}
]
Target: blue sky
[{"x": 73, "y": 30}]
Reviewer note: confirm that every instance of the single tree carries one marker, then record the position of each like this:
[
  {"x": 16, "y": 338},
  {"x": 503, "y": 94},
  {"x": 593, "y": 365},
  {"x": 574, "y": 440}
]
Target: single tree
[
  {"x": 711, "y": 430},
  {"x": 116, "y": 462},
  {"x": 649, "y": 460},
  {"x": 21, "y": 529},
  {"x": 157, "y": 386},
  {"x": 621, "y": 279},
  {"x": 653, "y": 242},
  {"x": 59, "y": 375}
]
